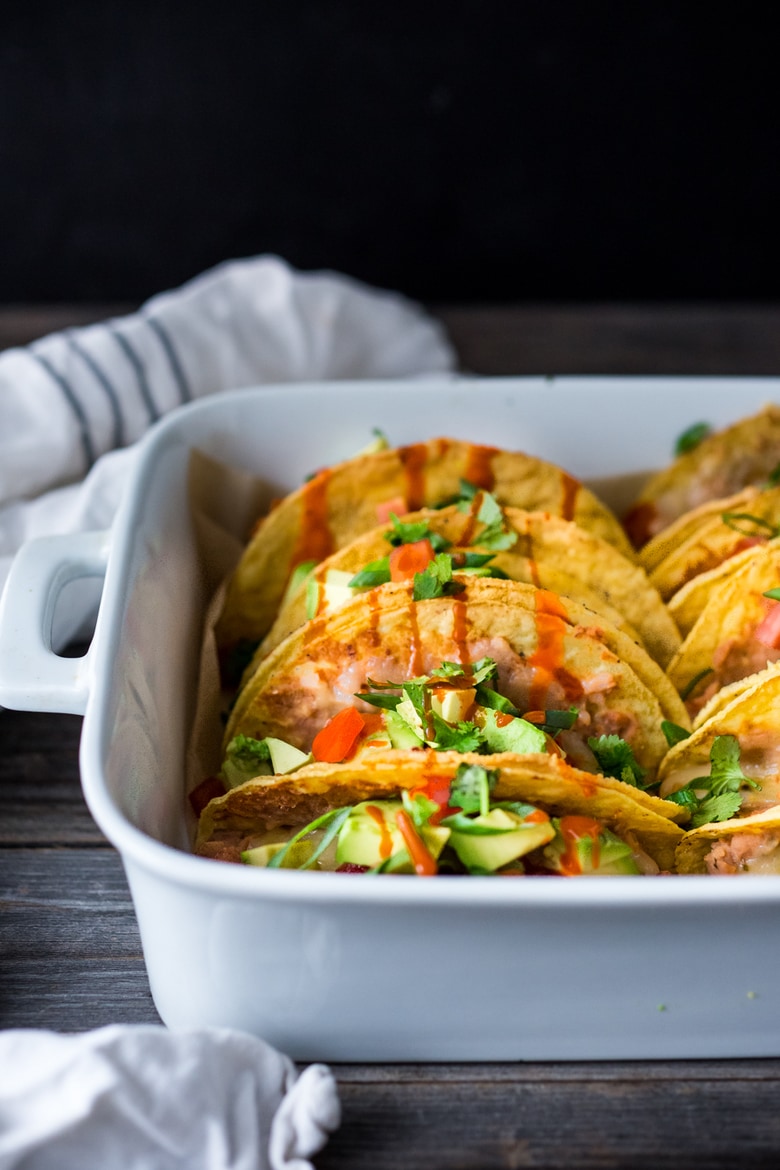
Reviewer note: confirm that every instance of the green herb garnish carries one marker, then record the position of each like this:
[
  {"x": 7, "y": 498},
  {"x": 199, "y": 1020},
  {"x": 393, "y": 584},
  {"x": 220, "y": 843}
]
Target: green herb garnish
[
  {"x": 721, "y": 798},
  {"x": 773, "y": 594},
  {"x": 673, "y": 732},
  {"x": 687, "y": 691},
  {"x": 737, "y": 521},
  {"x": 330, "y": 821},
  {"x": 616, "y": 758},
  {"x": 471, "y": 787},
  {"x": 436, "y": 580},
  {"x": 372, "y": 574},
  {"x": 692, "y": 437},
  {"x": 403, "y": 533}
]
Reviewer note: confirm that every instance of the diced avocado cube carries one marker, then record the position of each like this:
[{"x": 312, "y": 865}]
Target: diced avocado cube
[
  {"x": 336, "y": 590},
  {"x": 297, "y": 855},
  {"x": 286, "y": 758},
  {"x": 508, "y": 733},
  {"x": 452, "y": 704},
  {"x": 401, "y": 735},
  {"x": 513, "y": 839},
  {"x": 297, "y": 580}
]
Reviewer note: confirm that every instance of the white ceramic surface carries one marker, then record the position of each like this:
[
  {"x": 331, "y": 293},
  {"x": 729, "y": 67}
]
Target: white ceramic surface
[{"x": 352, "y": 968}]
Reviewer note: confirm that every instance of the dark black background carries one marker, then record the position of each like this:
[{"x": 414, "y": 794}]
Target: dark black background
[{"x": 459, "y": 152}]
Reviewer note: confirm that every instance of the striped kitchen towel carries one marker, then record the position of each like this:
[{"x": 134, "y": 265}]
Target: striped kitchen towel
[{"x": 73, "y": 404}]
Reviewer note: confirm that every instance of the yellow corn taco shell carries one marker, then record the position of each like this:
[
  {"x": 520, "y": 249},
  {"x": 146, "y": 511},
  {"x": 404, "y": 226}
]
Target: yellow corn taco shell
[
  {"x": 340, "y": 503},
  {"x": 723, "y": 463},
  {"x": 723, "y": 640},
  {"x": 750, "y": 711},
  {"x": 686, "y": 606},
  {"x": 748, "y": 523},
  {"x": 747, "y": 845},
  {"x": 545, "y": 781},
  {"x": 682, "y": 530},
  {"x": 551, "y": 653},
  {"x": 550, "y": 552}
]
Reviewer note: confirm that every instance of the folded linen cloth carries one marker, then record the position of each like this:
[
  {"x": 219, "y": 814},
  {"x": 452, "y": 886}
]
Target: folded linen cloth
[
  {"x": 68, "y": 400},
  {"x": 137, "y": 1097}
]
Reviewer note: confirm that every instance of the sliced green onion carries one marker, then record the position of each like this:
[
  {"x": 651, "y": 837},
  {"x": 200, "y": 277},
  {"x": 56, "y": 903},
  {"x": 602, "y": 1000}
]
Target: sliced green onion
[
  {"x": 734, "y": 519},
  {"x": 335, "y": 818},
  {"x": 692, "y": 685}
]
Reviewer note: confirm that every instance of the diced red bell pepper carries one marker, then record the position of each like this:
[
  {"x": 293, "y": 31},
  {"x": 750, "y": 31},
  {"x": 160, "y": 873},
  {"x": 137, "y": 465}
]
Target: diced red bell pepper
[
  {"x": 408, "y": 559},
  {"x": 338, "y": 737}
]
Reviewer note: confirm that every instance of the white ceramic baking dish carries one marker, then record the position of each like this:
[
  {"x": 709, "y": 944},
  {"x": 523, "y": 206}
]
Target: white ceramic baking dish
[{"x": 342, "y": 967}]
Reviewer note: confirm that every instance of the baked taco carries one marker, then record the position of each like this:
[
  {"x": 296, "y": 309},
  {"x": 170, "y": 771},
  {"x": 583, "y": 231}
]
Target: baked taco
[
  {"x": 339, "y": 503},
  {"x": 737, "y": 633},
  {"x": 486, "y": 540},
  {"x": 548, "y": 653},
  {"x": 686, "y": 606},
  {"x": 717, "y": 466},
  {"x": 442, "y": 812},
  {"x": 739, "y": 523},
  {"x": 729, "y": 766},
  {"x": 747, "y": 845}
]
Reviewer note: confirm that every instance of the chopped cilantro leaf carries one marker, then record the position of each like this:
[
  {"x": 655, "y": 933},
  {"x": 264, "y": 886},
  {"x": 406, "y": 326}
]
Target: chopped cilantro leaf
[
  {"x": 465, "y": 737},
  {"x": 616, "y": 758},
  {"x": 471, "y": 787},
  {"x": 449, "y": 670},
  {"x": 419, "y": 807},
  {"x": 410, "y": 533},
  {"x": 673, "y": 732},
  {"x": 720, "y": 799},
  {"x": 692, "y": 437},
  {"x": 244, "y": 749},
  {"x": 716, "y": 808},
  {"x": 483, "y": 670},
  {"x": 436, "y": 580},
  {"x": 476, "y": 673}
]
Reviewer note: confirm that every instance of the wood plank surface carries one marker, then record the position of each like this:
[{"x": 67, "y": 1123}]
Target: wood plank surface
[{"x": 70, "y": 955}]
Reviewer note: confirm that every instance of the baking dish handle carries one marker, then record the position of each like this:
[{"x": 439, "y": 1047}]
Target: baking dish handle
[{"x": 32, "y": 676}]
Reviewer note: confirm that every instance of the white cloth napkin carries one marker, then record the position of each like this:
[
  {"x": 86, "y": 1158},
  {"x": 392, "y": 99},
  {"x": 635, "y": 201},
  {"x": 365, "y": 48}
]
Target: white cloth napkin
[
  {"x": 68, "y": 400},
  {"x": 138, "y": 1097}
]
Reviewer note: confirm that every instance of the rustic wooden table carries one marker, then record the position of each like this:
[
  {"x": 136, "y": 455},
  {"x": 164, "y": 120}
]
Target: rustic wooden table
[{"x": 69, "y": 947}]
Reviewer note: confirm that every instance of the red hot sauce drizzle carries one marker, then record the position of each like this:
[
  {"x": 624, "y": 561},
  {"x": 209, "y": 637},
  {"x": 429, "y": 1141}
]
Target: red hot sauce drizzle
[
  {"x": 573, "y": 829},
  {"x": 479, "y": 467},
  {"x": 547, "y": 658},
  {"x": 413, "y": 460},
  {"x": 315, "y": 539},
  {"x": 570, "y": 488},
  {"x": 467, "y": 531},
  {"x": 386, "y": 837}
]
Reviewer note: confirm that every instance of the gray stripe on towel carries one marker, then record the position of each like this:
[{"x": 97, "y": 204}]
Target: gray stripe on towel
[
  {"x": 73, "y": 402},
  {"x": 185, "y": 394},
  {"x": 140, "y": 372},
  {"x": 110, "y": 390}
]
